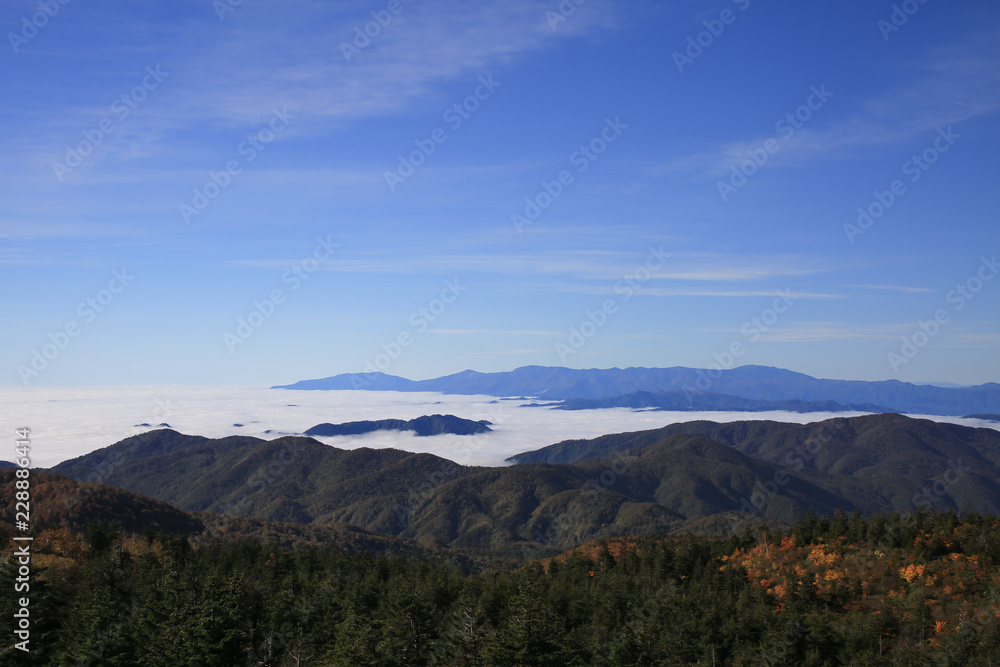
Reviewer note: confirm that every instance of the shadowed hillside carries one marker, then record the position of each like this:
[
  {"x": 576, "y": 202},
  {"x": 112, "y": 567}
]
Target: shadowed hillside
[{"x": 700, "y": 476}]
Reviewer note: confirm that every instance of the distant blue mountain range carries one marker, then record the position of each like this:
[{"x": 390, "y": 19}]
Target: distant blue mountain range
[
  {"x": 704, "y": 401},
  {"x": 759, "y": 383}
]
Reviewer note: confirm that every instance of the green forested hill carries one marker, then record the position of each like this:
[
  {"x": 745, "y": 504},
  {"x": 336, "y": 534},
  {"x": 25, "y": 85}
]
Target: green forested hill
[
  {"x": 57, "y": 502},
  {"x": 836, "y": 444},
  {"x": 286, "y": 479},
  {"x": 667, "y": 480},
  {"x": 841, "y": 590},
  {"x": 569, "y": 451},
  {"x": 61, "y": 506}
]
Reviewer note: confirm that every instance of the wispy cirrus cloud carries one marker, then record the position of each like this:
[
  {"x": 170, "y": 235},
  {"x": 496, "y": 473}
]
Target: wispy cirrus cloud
[
  {"x": 970, "y": 339},
  {"x": 423, "y": 46},
  {"x": 493, "y": 332},
  {"x": 518, "y": 352},
  {"x": 896, "y": 288},
  {"x": 949, "y": 86},
  {"x": 735, "y": 293},
  {"x": 816, "y": 332},
  {"x": 813, "y": 332},
  {"x": 603, "y": 266},
  {"x": 221, "y": 81}
]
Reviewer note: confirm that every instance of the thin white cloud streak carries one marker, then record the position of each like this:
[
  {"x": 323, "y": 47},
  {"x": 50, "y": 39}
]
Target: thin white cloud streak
[
  {"x": 968, "y": 339},
  {"x": 606, "y": 266},
  {"x": 423, "y": 46},
  {"x": 949, "y": 86},
  {"x": 227, "y": 76},
  {"x": 49, "y": 231},
  {"x": 815, "y": 332},
  {"x": 497, "y": 332},
  {"x": 643, "y": 336},
  {"x": 819, "y": 332},
  {"x": 897, "y": 288},
  {"x": 653, "y": 291}
]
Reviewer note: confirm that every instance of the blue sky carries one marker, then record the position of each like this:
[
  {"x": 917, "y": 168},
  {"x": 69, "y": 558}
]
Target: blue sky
[{"x": 198, "y": 193}]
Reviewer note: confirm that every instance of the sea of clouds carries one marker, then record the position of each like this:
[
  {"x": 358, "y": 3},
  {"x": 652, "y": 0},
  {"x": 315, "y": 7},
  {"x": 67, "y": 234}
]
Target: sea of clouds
[{"x": 68, "y": 422}]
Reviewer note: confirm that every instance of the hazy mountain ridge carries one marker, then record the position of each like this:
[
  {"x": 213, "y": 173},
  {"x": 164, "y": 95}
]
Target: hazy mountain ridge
[
  {"x": 762, "y": 383},
  {"x": 679, "y": 401}
]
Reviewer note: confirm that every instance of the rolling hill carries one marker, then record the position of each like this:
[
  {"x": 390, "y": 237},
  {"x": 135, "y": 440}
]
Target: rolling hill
[
  {"x": 776, "y": 441},
  {"x": 60, "y": 503},
  {"x": 699, "y": 475}
]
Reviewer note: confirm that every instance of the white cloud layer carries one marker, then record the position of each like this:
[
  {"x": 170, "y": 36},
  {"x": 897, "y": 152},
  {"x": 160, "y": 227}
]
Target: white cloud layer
[{"x": 72, "y": 421}]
